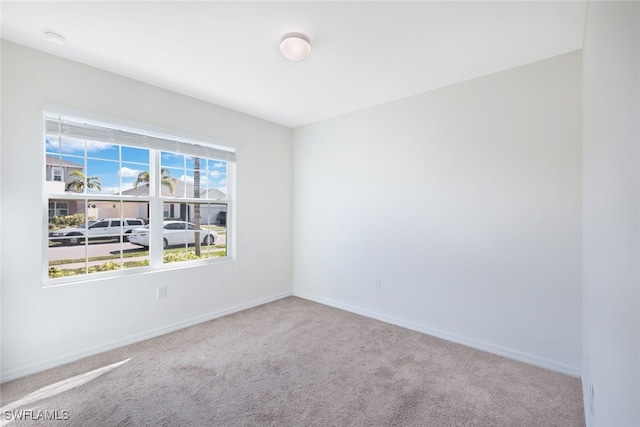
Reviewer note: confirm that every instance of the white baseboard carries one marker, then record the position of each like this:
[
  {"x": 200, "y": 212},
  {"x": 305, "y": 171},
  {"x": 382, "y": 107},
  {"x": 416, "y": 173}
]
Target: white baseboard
[
  {"x": 470, "y": 342},
  {"x": 131, "y": 339}
]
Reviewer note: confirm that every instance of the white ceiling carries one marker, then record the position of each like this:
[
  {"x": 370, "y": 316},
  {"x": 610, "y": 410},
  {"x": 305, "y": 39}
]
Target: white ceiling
[{"x": 363, "y": 53}]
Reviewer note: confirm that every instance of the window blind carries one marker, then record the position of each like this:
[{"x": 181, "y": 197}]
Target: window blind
[{"x": 57, "y": 125}]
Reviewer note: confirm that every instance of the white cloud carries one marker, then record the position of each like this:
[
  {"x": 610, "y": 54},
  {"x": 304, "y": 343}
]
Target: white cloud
[
  {"x": 126, "y": 172},
  {"x": 72, "y": 145},
  {"x": 203, "y": 179},
  {"x": 219, "y": 165},
  {"x": 187, "y": 178},
  {"x": 215, "y": 174}
]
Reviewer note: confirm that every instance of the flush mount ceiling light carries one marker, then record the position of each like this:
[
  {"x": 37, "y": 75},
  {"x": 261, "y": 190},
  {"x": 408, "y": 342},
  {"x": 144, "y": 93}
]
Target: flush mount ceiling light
[
  {"x": 54, "y": 38},
  {"x": 295, "y": 46}
]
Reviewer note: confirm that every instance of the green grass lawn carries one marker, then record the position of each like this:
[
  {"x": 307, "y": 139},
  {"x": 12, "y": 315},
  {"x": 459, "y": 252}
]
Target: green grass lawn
[
  {"x": 141, "y": 253},
  {"x": 168, "y": 256}
]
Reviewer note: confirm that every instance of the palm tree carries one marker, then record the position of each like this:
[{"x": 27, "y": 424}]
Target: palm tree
[
  {"x": 165, "y": 179},
  {"x": 80, "y": 181},
  {"x": 196, "y": 208}
]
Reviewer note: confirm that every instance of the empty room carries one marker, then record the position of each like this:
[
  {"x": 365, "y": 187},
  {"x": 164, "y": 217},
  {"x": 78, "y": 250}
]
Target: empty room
[{"x": 320, "y": 213}]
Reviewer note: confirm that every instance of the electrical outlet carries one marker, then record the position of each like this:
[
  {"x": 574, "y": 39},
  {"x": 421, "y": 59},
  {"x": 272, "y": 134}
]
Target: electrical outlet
[
  {"x": 377, "y": 283},
  {"x": 162, "y": 292}
]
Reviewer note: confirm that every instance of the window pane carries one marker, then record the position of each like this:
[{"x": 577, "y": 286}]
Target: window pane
[
  {"x": 135, "y": 179},
  {"x": 170, "y": 185},
  {"x": 102, "y": 177},
  {"x": 189, "y": 162},
  {"x": 213, "y": 217},
  {"x": 67, "y": 256},
  {"x": 199, "y": 178},
  {"x": 217, "y": 180},
  {"x": 66, "y": 145},
  {"x": 71, "y": 163},
  {"x": 135, "y": 155},
  {"x": 205, "y": 223},
  {"x": 134, "y": 171},
  {"x": 186, "y": 180},
  {"x": 59, "y": 170},
  {"x": 51, "y": 145},
  {"x": 103, "y": 150},
  {"x": 172, "y": 160},
  {"x": 103, "y": 255},
  {"x": 212, "y": 178}
]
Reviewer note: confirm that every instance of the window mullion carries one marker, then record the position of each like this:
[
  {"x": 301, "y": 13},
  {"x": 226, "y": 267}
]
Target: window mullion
[{"x": 155, "y": 210}]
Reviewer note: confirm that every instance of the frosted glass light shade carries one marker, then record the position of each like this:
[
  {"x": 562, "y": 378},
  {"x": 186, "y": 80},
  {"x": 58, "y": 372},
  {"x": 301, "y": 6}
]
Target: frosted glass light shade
[{"x": 295, "y": 46}]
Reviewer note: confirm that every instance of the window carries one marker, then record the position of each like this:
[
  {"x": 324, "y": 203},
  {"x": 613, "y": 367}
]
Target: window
[
  {"x": 140, "y": 200},
  {"x": 58, "y": 208},
  {"x": 56, "y": 173}
]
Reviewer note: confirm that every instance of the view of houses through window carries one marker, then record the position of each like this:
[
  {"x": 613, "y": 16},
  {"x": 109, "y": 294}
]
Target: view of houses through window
[{"x": 120, "y": 199}]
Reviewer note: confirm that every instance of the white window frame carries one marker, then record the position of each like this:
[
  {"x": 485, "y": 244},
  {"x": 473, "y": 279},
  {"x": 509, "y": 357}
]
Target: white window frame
[
  {"x": 155, "y": 140},
  {"x": 56, "y": 171}
]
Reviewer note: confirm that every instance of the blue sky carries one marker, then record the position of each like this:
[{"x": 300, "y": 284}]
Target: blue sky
[{"x": 118, "y": 165}]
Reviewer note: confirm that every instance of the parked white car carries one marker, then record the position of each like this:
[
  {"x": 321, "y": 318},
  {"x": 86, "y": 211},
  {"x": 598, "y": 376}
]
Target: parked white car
[
  {"x": 174, "y": 233},
  {"x": 103, "y": 228}
]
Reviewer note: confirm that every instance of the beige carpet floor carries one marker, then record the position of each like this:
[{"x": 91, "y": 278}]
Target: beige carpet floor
[{"x": 297, "y": 363}]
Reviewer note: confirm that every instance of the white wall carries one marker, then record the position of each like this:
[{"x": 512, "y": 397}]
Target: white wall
[
  {"x": 42, "y": 327},
  {"x": 611, "y": 231},
  {"x": 466, "y": 201}
]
